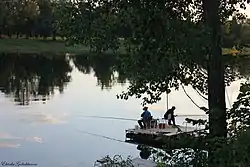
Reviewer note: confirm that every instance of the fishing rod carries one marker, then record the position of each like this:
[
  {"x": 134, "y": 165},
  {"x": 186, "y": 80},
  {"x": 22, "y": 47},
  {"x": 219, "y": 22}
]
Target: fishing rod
[
  {"x": 102, "y": 136},
  {"x": 197, "y": 115},
  {"x": 131, "y": 119},
  {"x": 117, "y": 118}
]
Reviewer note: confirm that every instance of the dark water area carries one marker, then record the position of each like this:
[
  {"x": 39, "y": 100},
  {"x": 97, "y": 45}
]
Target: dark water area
[{"x": 44, "y": 100}]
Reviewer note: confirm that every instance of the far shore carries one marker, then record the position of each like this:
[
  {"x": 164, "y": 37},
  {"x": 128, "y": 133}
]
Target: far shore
[
  {"x": 37, "y": 46},
  {"x": 40, "y": 46}
]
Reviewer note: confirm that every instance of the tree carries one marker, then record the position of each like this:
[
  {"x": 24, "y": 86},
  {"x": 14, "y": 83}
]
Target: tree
[
  {"x": 171, "y": 44},
  {"x": 216, "y": 85},
  {"x": 160, "y": 48},
  {"x": 29, "y": 15},
  {"x": 6, "y": 17},
  {"x": 45, "y": 18}
]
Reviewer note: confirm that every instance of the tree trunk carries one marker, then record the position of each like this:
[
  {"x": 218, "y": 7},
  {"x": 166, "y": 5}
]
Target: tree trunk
[{"x": 216, "y": 85}]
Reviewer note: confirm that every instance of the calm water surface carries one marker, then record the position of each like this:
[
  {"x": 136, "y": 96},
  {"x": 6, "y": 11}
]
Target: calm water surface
[{"x": 44, "y": 102}]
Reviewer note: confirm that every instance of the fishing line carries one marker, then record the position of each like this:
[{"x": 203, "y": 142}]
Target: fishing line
[
  {"x": 101, "y": 136},
  {"x": 201, "y": 115},
  {"x": 118, "y": 118}
]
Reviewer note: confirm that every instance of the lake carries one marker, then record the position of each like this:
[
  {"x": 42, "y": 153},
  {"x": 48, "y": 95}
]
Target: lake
[{"x": 45, "y": 101}]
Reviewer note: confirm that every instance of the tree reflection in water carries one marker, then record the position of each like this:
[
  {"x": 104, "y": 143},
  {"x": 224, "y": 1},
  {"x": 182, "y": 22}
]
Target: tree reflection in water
[
  {"x": 29, "y": 78},
  {"x": 103, "y": 66}
]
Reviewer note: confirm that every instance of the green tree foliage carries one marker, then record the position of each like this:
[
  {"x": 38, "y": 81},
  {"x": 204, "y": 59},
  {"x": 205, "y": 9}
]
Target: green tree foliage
[
  {"x": 159, "y": 34},
  {"x": 172, "y": 43},
  {"x": 52, "y": 17},
  {"x": 116, "y": 161},
  {"x": 28, "y": 17},
  {"x": 238, "y": 115}
]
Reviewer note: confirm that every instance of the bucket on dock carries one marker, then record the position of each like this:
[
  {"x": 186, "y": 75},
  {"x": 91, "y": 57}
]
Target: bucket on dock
[{"x": 162, "y": 125}]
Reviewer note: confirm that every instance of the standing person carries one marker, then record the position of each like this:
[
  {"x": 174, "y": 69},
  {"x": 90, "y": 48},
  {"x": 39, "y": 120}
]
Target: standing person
[
  {"x": 146, "y": 116},
  {"x": 169, "y": 115}
]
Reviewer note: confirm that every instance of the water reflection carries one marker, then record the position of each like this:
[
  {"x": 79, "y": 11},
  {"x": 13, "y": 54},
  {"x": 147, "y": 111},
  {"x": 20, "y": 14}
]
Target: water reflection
[
  {"x": 103, "y": 66},
  {"x": 28, "y": 78},
  {"x": 45, "y": 118},
  {"x": 10, "y": 141},
  {"x": 145, "y": 151}
]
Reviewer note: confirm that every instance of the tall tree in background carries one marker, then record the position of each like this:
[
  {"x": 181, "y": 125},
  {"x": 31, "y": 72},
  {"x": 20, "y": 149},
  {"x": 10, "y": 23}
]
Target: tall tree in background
[
  {"x": 45, "y": 18},
  {"x": 29, "y": 13},
  {"x": 3, "y": 12}
]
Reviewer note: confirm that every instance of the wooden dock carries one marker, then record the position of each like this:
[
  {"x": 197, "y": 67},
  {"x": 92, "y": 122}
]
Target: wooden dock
[{"x": 157, "y": 137}]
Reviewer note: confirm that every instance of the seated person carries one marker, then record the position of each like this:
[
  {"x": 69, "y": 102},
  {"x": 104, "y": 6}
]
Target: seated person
[
  {"x": 146, "y": 117},
  {"x": 169, "y": 115}
]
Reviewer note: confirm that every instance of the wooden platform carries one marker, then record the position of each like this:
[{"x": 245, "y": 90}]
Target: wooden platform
[
  {"x": 168, "y": 130},
  {"x": 156, "y": 136}
]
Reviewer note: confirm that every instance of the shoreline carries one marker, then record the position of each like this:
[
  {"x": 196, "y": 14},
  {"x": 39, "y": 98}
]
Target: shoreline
[{"x": 58, "y": 47}]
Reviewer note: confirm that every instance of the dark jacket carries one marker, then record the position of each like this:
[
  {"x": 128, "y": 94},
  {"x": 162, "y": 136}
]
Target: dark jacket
[{"x": 171, "y": 112}]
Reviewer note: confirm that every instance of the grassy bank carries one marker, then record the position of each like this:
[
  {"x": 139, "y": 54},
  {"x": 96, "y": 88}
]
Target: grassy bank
[
  {"x": 56, "y": 47},
  {"x": 39, "y": 46}
]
